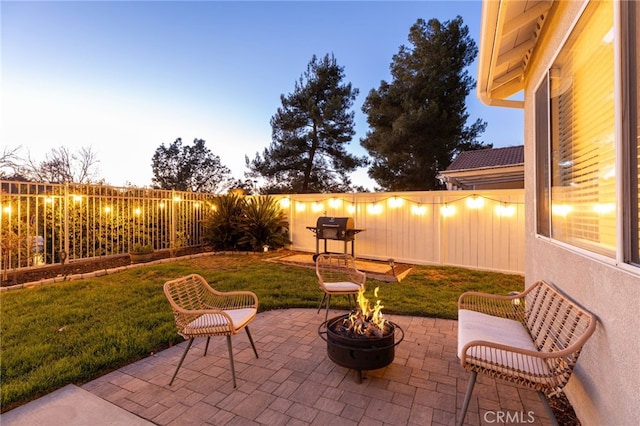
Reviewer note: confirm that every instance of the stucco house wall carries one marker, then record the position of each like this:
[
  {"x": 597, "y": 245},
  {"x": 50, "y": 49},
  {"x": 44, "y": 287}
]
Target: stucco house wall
[{"x": 604, "y": 387}]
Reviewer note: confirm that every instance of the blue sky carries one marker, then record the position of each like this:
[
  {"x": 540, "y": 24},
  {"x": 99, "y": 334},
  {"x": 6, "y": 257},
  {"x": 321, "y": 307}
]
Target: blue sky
[{"x": 127, "y": 76}]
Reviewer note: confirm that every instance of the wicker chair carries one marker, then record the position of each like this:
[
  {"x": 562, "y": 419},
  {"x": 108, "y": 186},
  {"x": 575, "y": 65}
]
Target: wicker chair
[
  {"x": 531, "y": 339},
  {"x": 337, "y": 274},
  {"x": 201, "y": 311}
]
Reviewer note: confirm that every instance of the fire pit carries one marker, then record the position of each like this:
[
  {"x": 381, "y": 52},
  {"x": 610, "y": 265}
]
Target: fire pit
[{"x": 361, "y": 340}]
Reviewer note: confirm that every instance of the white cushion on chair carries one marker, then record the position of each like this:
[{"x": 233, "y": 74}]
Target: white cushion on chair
[
  {"x": 342, "y": 286},
  {"x": 474, "y": 325},
  {"x": 240, "y": 318}
]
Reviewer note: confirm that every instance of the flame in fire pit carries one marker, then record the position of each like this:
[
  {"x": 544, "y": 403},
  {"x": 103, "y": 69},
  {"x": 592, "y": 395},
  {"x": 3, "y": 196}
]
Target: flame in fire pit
[{"x": 367, "y": 321}]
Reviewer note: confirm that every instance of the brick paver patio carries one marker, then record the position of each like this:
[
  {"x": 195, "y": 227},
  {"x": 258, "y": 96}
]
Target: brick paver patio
[{"x": 294, "y": 383}]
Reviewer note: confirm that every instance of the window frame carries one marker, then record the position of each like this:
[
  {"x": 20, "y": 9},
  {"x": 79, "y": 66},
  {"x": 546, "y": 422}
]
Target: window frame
[
  {"x": 626, "y": 104},
  {"x": 542, "y": 124},
  {"x": 628, "y": 14}
]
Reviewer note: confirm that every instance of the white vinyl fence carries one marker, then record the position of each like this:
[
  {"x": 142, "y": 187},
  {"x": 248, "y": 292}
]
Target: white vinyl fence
[{"x": 473, "y": 229}]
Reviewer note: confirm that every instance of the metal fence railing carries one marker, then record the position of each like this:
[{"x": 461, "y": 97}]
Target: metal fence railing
[{"x": 51, "y": 223}]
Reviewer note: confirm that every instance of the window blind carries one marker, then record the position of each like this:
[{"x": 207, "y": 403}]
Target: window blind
[{"x": 583, "y": 178}]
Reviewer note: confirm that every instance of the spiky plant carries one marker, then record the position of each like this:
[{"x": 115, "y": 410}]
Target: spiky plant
[
  {"x": 222, "y": 229},
  {"x": 264, "y": 224}
]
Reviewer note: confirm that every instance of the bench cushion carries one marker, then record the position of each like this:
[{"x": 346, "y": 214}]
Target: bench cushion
[{"x": 473, "y": 326}]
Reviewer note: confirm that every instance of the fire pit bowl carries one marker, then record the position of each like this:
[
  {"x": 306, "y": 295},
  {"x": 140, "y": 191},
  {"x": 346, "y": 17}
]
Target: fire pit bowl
[{"x": 359, "y": 353}]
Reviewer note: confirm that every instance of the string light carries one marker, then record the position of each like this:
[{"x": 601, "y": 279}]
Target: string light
[
  {"x": 505, "y": 210},
  {"x": 419, "y": 209},
  {"x": 395, "y": 202},
  {"x": 374, "y": 208},
  {"x": 285, "y": 202},
  {"x": 335, "y": 203},
  {"x": 475, "y": 202},
  {"x": 448, "y": 210}
]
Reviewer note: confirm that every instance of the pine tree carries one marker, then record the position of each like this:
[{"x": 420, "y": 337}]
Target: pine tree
[
  {"x": 418, "y": 121},
  {"x": 310, "y": 132}
]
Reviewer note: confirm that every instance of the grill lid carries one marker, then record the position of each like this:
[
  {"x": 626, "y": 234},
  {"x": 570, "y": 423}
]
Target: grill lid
[
  {"x": 341, "y": 223},
  {"x": 334, "y": 228}
]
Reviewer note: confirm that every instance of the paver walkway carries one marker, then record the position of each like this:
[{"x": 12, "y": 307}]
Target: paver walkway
[{"x": 294, "y": 383}]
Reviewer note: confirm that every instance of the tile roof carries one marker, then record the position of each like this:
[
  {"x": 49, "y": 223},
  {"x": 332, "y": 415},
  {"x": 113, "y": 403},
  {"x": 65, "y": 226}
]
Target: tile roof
[{"x": 488, "y": 158}]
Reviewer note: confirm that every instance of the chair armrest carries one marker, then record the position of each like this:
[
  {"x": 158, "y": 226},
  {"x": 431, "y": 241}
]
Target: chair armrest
[
  {"x": 231, "y": 300},
  {"x": 492, "y": 346},
  {"x": 358, "y": 277},
  {"x": 549, "y": 371}
]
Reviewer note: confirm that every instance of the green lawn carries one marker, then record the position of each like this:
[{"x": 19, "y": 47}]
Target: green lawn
[{"x": 73, "y": 332}]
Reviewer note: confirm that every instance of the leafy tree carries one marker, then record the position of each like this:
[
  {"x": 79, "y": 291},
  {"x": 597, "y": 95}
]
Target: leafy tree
[
  {"x": 418, "y": 121},
  {"x": 310, "y": 132},
  {"x": 189, "y": 168}
]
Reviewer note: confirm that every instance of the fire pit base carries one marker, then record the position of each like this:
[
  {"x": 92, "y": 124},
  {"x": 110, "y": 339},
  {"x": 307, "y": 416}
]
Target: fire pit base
[{"x": 361, "y": 353}]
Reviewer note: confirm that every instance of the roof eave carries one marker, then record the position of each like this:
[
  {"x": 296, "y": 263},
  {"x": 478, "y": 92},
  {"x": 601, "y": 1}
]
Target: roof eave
[{"x": 495, "y": 90}]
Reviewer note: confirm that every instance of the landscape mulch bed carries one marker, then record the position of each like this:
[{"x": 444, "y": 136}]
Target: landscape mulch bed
[{"x": 34, "y": 274}]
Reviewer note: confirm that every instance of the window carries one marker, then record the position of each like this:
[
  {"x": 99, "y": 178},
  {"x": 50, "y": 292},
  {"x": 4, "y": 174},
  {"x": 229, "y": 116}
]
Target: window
[
  {"x": 580, "y": 163},
  {"x": 582, "y": 151}
]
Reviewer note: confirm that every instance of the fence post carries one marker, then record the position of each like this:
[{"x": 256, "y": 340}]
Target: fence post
[
  {"x": 65, "y": 243},
  {"x": 172, "y": 237}
]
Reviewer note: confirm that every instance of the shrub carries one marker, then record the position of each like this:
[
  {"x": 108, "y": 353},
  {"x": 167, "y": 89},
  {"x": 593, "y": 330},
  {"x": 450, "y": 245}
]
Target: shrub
[
  {"x": 222, "y": 229},
  {"x": 139, "y": 248},
  {"x": 264, "y": 224},
  {"x": 246, "y": 224}
]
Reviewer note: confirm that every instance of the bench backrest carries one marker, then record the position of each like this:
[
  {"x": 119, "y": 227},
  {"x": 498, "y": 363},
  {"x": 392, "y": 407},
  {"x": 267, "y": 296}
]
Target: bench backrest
[{"x": 554, "y": 321}]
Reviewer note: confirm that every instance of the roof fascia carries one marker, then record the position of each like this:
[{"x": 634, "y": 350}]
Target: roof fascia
[{"x": 489, "y": 33}]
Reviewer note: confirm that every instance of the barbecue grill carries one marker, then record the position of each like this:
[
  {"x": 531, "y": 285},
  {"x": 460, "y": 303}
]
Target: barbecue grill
[{"x": 334, "y": 228}]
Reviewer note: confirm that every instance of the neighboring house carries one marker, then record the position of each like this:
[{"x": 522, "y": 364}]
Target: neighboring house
[
  {"x": 497, "y": 168},
  {"x": 575, "y": 66}
]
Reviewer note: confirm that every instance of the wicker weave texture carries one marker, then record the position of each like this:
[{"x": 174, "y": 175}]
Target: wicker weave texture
[
  {"x": 200, "y": 310},
  {"x": 338, "y": 268},
  {"x": 558, "y": 327}
]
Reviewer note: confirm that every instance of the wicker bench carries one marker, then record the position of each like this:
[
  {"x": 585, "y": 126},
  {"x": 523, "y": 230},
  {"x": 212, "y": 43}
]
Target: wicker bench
[{"x": 532, "y": 338}]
